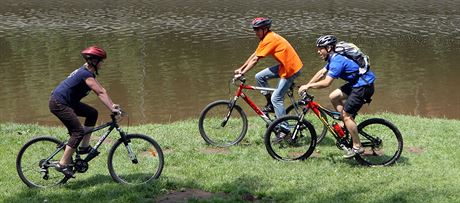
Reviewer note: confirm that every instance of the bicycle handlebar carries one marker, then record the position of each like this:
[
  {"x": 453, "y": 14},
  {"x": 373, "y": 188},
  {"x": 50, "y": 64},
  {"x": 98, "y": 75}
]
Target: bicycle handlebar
[
  {"x": 306, "y": 97},
  {"x": 241, "y": 78},
  {"x": 115, "y": 116}
]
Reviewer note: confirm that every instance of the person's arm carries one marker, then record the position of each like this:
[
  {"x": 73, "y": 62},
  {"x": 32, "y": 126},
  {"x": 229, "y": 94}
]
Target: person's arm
[
  {"x": 101, "y": 94},
  {"x": 326, "y": 82},
  {"x": 248, "y": 65},
  {"x": 318, "y": 76}
]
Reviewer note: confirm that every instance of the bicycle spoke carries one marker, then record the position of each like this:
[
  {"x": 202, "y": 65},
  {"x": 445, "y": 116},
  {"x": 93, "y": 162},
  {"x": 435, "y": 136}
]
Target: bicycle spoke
[
  {"x": 143, "y": 164},
  {"x": 29, "y": 159},
  {"x": 221, "y": 128},
  {"x": 382, "y": 142},
  {"x": 290, "y": 147}
]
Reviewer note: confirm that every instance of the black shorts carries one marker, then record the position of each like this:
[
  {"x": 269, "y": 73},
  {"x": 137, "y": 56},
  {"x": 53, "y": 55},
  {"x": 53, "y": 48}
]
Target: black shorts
[{"x": 357, "y": 97}]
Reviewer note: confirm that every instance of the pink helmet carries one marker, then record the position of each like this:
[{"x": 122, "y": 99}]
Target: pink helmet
[{"x": 94, "y": 52}]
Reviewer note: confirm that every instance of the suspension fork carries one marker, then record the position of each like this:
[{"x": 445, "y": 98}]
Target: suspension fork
[
  {"x": 127, "y": 144},
  {"x": 297, "y": 126}
]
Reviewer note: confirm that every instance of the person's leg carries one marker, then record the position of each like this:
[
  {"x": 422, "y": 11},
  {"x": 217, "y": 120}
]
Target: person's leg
[
  {"x": 90, "y": 114},
  {"x": 70, "y": 120},
  {"x": 264, "y": 75},
  {"x": 278, "y": 95},
  {"x": 339, "y": 96},
  {"x": 262, "y": 78},
  {"x": 278, "y": 101},
  {"x": 355, "y": 101},
  {"x": 352, "y": 128}
]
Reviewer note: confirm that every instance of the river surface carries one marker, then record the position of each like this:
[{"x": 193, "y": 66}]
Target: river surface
[{"x": 168, "y": 59}]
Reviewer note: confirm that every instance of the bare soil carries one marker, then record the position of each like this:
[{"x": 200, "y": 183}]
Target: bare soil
[
  {"x": 416, "y": 150},
  {"x": 186, "y": 194}
]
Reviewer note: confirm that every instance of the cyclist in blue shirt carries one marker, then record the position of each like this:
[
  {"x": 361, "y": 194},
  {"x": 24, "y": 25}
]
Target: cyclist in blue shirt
[
  {"x": 65, "y": 104},
  {"x": 349, "y": 98}
]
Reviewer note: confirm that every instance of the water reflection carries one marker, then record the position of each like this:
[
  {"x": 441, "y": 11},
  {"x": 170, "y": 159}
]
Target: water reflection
[{"x": 168, "y": 59}]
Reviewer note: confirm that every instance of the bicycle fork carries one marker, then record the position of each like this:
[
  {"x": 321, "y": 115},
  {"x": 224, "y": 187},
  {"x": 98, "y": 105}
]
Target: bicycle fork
[
  {"x": 230, "y": 109},
  {"x": 298, "y": 125},
  {"x": 127, "y": 144}
]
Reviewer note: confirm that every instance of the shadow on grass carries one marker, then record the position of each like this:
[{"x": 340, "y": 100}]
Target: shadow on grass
[
  {"x": 101, "y": 188},
  {"x": 97, "y": 188}
]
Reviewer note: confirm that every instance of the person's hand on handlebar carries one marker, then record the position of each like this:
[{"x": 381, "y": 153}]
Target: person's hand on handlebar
[
  {"x": 303, "y": 88},
  {"x": 116, "y": 109},
  {"x": 237, "y": 75}
]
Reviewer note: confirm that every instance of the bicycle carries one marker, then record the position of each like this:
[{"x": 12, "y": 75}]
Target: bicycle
[
  {"x": 138, "y": 162},
  {"x": 223, "y": 123},
  {"x": 380, "y": 138}
]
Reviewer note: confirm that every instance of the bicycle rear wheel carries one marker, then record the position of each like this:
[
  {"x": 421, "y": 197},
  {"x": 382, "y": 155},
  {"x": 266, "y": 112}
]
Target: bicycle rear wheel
[
  {"x": 147, "y": 165},
  {"x": 320, "y": 128},
  {"x": 382, "y": 142},
  {"x": 31, "y": 166},
  {"x": 218, "y": 130},
  {"x": 293, "y": 147}
]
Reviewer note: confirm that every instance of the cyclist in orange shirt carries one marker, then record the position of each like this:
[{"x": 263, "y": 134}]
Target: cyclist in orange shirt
[{"x": 288, "y": 68}]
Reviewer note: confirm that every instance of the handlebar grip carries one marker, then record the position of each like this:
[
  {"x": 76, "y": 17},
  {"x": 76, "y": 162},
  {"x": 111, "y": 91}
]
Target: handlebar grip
[{"x": 305, "y": 96}]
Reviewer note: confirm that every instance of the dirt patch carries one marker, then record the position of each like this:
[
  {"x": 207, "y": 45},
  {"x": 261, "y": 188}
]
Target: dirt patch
[
  {"x": 187, "y": 194},
  {"x": 416, "y": 150},
  {"x": 213, "y": 150},
  {"x": 184, "y": 195},
  {"x": 316, "y": 154}
]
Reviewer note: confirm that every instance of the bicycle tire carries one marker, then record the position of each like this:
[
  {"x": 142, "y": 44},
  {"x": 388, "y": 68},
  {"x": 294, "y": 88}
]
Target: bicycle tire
[
  {"x": 210, "y": 124},
  {"x": 321, "y": 129},
  {"x": 385, "y": 153},
  {"x": 150, "y": 160},
  {"x": 289, "y": 149},
  {"x": 30, "y": 171}
]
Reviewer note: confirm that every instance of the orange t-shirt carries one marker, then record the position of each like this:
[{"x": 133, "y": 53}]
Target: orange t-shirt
[{"x": 275, "y": 45}]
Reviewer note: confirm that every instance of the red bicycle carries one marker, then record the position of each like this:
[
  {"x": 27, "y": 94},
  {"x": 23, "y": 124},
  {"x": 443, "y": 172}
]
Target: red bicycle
[
  {"x": 380, "y": 138},
  {"x": 223, "y": 123}
]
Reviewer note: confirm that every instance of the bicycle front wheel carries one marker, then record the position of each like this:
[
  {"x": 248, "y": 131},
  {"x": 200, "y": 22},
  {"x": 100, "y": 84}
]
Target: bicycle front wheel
[
  {"x": 297, "y": 145},
  {"x": 31, "y": 164},
  {"x": 138, "y": 161},
  {"x": 321, "y": 129},
  {"x": 221, "y": 126},
  {"x": 382, "y": 142}
]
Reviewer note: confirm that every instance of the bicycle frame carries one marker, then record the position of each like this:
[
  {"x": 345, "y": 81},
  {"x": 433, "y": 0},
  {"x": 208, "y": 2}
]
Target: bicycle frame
[
  {"x": 93, "y": 153},
  {"x": 318, "y": 110},
  {"x": 239, "y": 93}
]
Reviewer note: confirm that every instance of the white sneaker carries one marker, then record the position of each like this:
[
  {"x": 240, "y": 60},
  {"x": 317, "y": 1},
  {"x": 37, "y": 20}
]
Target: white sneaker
[{"x": 350, "y": 153}]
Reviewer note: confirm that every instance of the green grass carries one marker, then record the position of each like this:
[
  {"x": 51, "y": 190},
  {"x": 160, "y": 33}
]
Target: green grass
[{"x": 428, "y": 170}]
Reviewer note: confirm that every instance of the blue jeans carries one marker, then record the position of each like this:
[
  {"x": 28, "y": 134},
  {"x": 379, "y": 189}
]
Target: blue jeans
[{"x": 283, "y": 86}]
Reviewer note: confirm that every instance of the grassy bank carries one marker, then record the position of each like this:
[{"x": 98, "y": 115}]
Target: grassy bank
[{"x": 428, "y": 170}]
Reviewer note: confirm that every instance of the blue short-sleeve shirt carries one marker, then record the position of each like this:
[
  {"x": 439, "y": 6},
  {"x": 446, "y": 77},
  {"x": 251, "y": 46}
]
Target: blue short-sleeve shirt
[
  {"x": 339, "y": 66},
  {"x": 71, "y": 90}
]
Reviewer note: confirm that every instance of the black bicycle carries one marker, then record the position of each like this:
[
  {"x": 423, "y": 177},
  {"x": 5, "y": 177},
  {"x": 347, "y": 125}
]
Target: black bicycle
[{"x": 133, "y": 158}]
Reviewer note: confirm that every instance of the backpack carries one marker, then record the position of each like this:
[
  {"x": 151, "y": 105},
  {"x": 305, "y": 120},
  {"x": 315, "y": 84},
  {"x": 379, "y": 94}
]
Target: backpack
[{"x": 352, "y": 52}]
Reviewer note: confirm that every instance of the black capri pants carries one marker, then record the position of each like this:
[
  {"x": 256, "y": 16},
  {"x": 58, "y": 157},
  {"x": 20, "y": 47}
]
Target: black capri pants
[{"x": 69, "y": 117}]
